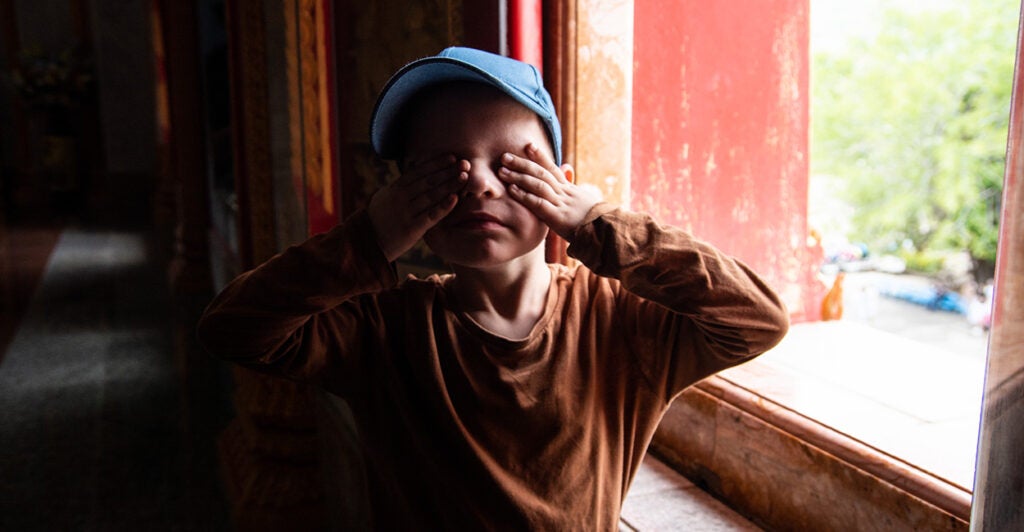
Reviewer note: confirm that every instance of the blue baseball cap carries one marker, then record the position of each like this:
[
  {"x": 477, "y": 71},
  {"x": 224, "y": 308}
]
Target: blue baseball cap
[{"x": 519, "y": 80}]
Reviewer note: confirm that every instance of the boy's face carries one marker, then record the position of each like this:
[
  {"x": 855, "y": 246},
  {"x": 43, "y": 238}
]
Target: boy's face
[{"x": 479, "y": 124}]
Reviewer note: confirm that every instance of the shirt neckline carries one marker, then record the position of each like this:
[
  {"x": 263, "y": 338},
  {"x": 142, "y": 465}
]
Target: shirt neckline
[{"x": 490, "y": 337}]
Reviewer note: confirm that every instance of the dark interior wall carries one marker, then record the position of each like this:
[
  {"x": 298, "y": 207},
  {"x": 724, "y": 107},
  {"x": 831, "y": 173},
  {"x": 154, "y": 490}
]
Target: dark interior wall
[
  {"x": 6, "y": 119},
  {"x": 123, "y": 48},
  {"x": 28, "y": 29},
  {"x": 44, "y": 25},
  {"x": 110, "y": 138}
]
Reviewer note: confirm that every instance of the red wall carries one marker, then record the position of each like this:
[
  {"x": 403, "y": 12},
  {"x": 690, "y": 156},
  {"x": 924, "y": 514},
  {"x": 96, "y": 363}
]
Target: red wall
[{"x": 720, "y": 131}]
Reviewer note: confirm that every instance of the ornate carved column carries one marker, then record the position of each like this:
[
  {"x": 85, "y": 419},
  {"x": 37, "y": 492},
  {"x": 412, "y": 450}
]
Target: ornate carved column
[{"x": 269, "y": 452}]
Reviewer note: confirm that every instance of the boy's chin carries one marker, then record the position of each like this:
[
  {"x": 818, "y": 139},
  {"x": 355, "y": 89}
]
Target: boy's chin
[{"x": 485, "y": 256}]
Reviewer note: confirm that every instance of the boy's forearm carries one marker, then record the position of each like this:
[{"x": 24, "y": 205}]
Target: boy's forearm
[
  {"x": 668, "y": 266},
  {"x": 256, "y": 314}
]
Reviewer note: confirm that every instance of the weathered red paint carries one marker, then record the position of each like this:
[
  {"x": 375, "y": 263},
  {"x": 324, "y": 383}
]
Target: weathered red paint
[{"x": 720, "y": 131}]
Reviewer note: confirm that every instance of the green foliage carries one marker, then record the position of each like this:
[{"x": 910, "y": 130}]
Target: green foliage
[
  {"x": 914, "y": 122},
  {"x": 922, "y": 261}
]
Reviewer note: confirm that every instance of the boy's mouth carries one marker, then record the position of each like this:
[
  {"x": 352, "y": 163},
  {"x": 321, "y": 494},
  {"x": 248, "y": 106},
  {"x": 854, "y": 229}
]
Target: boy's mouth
[{"x": 477, "y": 220}]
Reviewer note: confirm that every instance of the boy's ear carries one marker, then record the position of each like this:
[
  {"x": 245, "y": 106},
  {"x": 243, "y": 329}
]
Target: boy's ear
[{"x": 570, "y": 174}]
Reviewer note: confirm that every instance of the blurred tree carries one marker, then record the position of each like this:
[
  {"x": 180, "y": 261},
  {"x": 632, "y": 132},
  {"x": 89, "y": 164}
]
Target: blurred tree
[{"x": 913, "y": 122}]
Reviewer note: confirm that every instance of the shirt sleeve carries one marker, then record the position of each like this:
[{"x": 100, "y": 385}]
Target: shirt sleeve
[
  {"x": 291, "y": 315},
  {"x": 690, "y": 309}
]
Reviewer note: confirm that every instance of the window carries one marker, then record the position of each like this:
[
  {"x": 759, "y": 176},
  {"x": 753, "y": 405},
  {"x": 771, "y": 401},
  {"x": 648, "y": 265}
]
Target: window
[{"x": 720, "y": 109}]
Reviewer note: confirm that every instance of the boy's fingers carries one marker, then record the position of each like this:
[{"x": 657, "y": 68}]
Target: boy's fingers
[
  {"x": 534, "y": 203},
  {"x": 521, "y": 164},
  {"x": 526, "y": 183},
  {"x": 434, "y": 166},
  {"x": 544, "y": 169},
  {"x": 541, "y": 157},
  {"x": 435, "y": 161},
  {"x": 424, "y": 191},
  {"x": 440, "y": 191},
  {"x": 430, "y": 198},
  {"x": 447, "y": 173}
]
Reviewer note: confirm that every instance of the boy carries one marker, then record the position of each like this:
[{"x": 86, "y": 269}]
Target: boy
[{"x": 509, "y": 394}]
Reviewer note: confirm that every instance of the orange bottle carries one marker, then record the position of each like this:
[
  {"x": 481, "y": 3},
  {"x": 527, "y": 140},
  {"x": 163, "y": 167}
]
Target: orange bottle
[{"x": 832, "y": 303}]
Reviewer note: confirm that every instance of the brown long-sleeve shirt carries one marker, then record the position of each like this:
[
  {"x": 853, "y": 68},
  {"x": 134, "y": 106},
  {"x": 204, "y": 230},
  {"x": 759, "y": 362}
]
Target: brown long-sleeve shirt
[{"x": 466, "y": 430}]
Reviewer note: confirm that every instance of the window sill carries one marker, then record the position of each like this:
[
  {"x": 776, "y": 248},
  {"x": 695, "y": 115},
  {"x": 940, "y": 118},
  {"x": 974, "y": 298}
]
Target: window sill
[
  {"x": 786, "y": 468},
  {"x": 919, "y": 403}
]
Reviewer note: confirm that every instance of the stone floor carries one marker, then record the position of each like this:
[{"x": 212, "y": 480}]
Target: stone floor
[
  {"x": 662, "y": 500},
  {"x": 92, "y": 435},
  {"x": 23, "y": 256}
]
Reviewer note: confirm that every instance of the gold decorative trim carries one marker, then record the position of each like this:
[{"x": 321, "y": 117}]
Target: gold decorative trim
[{"x": 251, "y": 132}]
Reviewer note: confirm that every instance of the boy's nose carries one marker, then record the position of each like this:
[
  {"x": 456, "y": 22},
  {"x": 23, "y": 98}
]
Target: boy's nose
[{"x": 483, "y": 181}]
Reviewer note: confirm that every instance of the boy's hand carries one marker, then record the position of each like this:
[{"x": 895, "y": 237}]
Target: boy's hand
[
  {"x": 425, "y": 193},
  {"x": 547, "y": 190}
]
